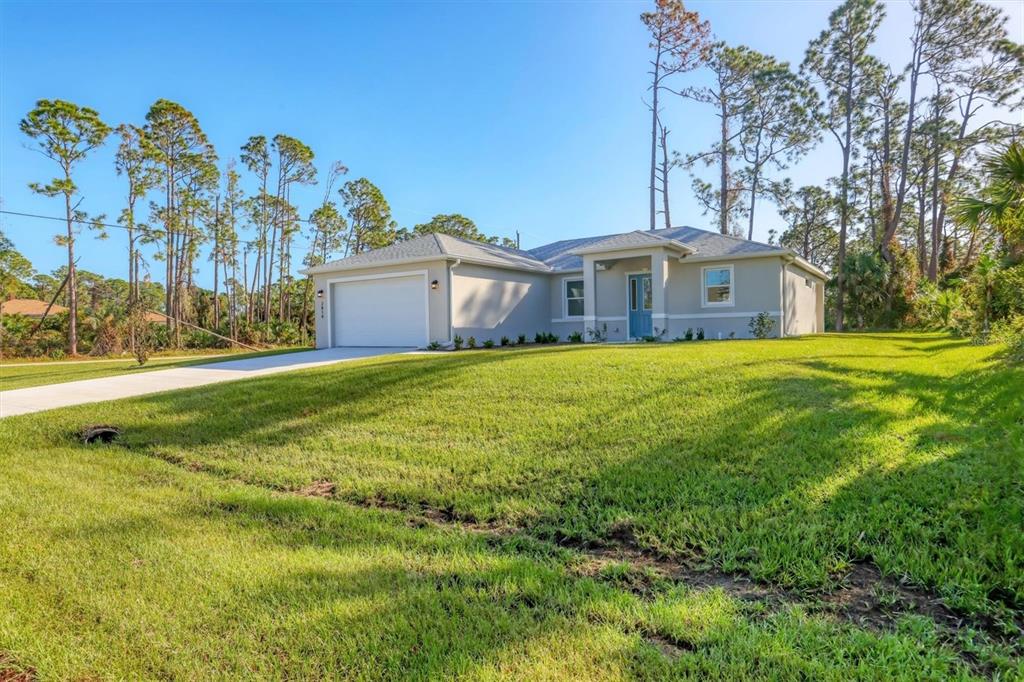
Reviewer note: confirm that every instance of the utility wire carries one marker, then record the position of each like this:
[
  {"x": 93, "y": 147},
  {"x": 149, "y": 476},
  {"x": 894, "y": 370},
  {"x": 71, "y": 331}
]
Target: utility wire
[{"x": 146, "y": 230}]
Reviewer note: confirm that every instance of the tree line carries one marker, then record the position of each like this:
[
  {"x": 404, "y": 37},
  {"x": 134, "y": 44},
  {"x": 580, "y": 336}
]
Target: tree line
[
  {"x": 911, "y": 140},
  {"x": 180, "y": 202}
]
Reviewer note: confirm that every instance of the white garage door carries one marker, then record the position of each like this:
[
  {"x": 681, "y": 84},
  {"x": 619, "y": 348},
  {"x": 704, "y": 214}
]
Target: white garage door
[{"x": 387, "y": 311}]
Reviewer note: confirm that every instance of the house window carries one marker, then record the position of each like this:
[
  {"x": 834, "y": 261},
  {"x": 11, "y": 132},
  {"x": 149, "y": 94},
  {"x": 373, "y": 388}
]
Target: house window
[
  {"x": 809, "y": 283},
  {"x": 718, "y": 288},
  {"x": 574, "y": 298}
]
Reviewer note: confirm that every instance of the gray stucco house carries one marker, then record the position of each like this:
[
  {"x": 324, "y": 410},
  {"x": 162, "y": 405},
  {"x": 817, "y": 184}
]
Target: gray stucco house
[{"x": 634, "y": 284}]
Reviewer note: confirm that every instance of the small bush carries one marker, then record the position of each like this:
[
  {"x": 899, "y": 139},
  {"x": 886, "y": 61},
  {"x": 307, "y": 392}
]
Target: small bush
[
  {"x": 489, "y": 343},
  {"x": 471, "y": 342},
  {"x": 761, "y": 325},
  {"x": 689, "y": 334},
  {"x": 540, "y": 337},
  {"x": 700, "y": 333},
  {"x": 433, "y": 345},
  {"x": 553, "y": 338},
  {"x": 656, "y": 336},
  {"x": 107, "y": 338},
  {"x": 576, "y": 337},
  {"x": 141, "y": 333},
  {"x": 732, "y": 335},
  {"x": 1011, "y": 332},
  {"x": 937, "y": 308},
  {"x": 521, "y": 340},
  {"x": 457, "y": 342},
  {"x": 598, "y": 335},
  {"x": 505, "y": 341}
]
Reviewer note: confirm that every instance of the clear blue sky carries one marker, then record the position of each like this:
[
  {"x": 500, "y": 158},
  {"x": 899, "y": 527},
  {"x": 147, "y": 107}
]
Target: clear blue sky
[{"x": 523, "y": 116}]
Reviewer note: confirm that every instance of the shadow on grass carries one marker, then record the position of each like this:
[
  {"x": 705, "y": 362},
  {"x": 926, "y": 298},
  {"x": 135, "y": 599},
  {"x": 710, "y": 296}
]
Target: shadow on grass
[
  {"x": 787, "y": 469},
  {"x": 807, "y": 473}
]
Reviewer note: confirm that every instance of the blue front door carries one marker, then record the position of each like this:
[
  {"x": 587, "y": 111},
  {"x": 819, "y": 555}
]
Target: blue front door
[{"x": 639, "y": 304}]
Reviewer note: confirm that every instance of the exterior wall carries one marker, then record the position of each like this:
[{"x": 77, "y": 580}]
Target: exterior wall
[
  {"x": 756, "y": 288},
  {"x": 802, "y": 302},
  {"x": 562, "y": 325},
  {"x": 489, "y": 302},
  {"x": 559, "y": 324},
  {"x": 437, "y": 312}
]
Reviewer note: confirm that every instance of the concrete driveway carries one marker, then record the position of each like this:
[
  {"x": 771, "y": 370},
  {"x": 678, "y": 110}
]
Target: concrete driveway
[{"x": 39, "y": 398}]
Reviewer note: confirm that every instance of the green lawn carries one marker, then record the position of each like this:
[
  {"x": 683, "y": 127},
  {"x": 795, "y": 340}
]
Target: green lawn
[
  {"x": 24, "y": 373},
  {"x": 475, "y": 495}
]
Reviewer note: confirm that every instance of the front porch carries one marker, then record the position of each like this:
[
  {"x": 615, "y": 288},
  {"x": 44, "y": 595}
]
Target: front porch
[
  {"x": 629, "y": 293},
  {"x": 625, "y": 280}
]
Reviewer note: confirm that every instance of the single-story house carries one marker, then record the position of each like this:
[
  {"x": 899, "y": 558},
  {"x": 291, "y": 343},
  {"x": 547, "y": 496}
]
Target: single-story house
[{"x": 636, "y": 284}]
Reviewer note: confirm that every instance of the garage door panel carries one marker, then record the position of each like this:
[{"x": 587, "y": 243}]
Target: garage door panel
[{"x": 387, "y": 311}]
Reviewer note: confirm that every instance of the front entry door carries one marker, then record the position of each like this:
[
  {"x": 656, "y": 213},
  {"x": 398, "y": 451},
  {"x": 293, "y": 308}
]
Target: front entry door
[{"x": 639, "y": 298}]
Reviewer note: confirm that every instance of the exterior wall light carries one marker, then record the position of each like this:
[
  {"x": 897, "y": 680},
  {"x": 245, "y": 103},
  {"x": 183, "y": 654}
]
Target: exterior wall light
[
  {"x": 433, "y": 285},
  {"x": 320, "y": 293}
]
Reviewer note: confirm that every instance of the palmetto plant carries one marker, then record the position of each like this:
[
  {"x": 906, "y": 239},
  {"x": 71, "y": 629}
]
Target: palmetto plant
[
  {"x": 865, "y": 283},
  {"x": 947, "y": 302}
]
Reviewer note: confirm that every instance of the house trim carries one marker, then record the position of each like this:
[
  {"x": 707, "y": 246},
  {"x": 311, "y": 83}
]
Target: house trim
[{"x": 701, "y": 316}]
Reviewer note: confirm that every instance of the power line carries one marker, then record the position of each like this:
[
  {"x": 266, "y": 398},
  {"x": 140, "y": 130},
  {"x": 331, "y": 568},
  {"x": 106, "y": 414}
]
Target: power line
[{"x": 145, "y": 230}]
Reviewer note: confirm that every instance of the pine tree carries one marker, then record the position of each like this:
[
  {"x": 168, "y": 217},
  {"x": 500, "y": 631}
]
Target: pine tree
[
  {"x": 680, "y": 43},
  {"x": 839, "y": 61},
  {"x": 65, "y": 133}
]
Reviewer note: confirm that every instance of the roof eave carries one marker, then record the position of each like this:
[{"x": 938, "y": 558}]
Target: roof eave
[
  {"x": 665, "y": 243},
  {"x": 807, "y": 265},
  {"x": 327, "y": 267}
]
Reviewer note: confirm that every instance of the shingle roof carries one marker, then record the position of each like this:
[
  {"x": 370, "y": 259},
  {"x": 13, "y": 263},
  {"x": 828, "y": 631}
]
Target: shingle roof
[
  {"x": 706, "y": 245},
  {"x": 29, "y": 307},
  {"x": 549, "y": 257},
  {"x": 439, "y": 246},
  {"x": 480, "y": 251}
]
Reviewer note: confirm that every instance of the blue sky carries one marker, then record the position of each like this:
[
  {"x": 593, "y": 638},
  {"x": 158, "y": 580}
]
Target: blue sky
[{"x": 524, "y": 115}]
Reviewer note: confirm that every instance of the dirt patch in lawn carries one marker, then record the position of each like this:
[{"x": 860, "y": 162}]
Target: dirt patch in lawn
[
  {"x": 318, "y": 489},
  {"x": 865, "y": 597},
  {"x": 11, "y": 672},
  {"x": 670, "y": 647}
]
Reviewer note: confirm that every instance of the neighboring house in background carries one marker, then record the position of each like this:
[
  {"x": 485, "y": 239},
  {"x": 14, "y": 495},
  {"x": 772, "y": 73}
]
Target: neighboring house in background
[
  {"x": 29, "y": 307},
  {"x": 635, "y": 284}
]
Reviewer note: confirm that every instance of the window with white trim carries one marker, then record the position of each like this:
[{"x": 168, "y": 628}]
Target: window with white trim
[
  {"x": 718, "y": 286},
  {"x": 573, "y": 297}
]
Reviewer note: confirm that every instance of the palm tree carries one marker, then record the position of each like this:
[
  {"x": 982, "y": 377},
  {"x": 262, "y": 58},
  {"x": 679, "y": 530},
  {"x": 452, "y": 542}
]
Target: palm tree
[{"x": 1001, "y": 201}]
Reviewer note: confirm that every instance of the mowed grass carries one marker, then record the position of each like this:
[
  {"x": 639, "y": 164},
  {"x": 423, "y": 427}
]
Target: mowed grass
[
  {"x": 25, "y": 373},
  {"x": 182, "y": 552}
]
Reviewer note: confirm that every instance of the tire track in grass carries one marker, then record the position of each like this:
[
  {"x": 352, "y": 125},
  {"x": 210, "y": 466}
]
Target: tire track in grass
[{"x": 865, "y": 597}]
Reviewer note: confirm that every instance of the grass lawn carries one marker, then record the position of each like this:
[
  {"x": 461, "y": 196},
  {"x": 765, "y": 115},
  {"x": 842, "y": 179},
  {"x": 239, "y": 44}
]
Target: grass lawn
[
  {"x": 37, "y": 372},
  {"x": 518, "y": 514}
]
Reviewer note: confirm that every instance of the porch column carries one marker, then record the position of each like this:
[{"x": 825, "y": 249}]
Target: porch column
[
  {"x": 589, "y": 296},
  {"x": 659, "y": 290}
]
